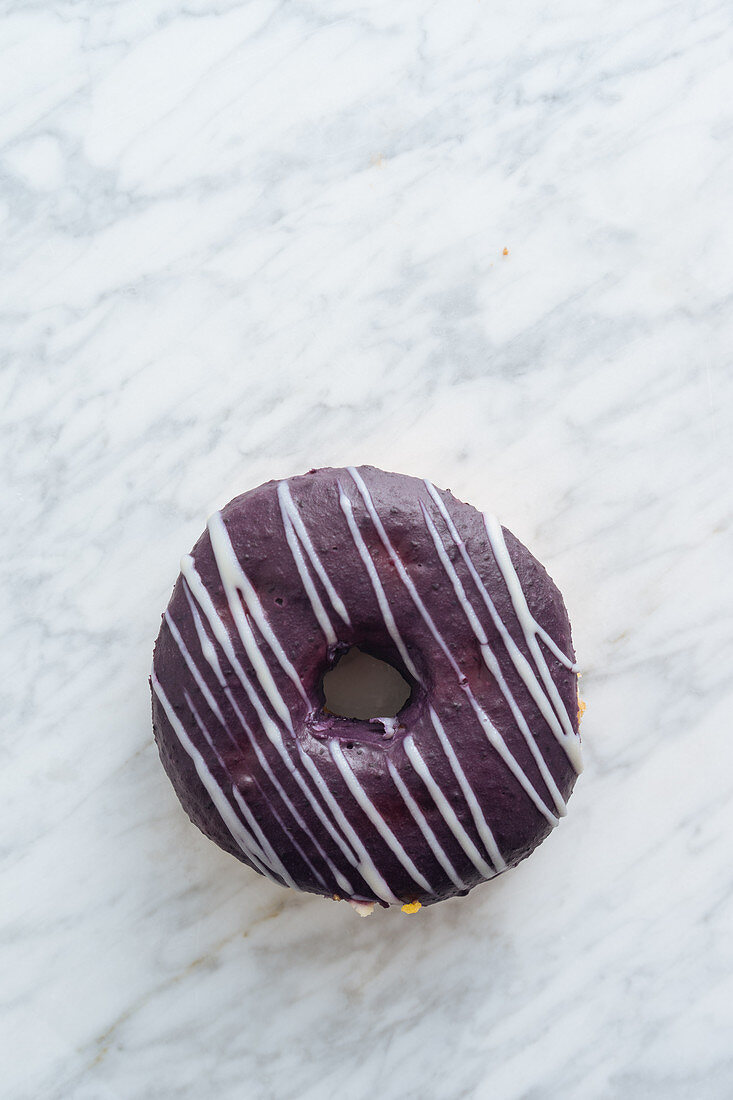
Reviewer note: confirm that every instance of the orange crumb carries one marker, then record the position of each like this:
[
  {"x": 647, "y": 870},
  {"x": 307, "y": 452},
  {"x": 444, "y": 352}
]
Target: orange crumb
[
  {"x": 581, "y": 708},
  {"x": 505, "y": 252},
  {"x": 411, "y": 907},
  {"x": 336, "y": 897}
]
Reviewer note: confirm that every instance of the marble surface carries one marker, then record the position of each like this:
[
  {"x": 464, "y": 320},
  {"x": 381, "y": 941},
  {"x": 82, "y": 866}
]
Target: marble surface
[{"x": 484, "y": 242}]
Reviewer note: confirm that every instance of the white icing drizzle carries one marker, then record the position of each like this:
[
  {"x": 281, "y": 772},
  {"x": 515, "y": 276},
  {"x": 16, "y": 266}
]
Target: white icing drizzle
[
  {"x": 365, "y": 865},
  {"x": 263, "y": 839},
  {"x": 384, "y": 607},
  {"x": 199, "y": 592},
  {"x": 554, "y": 648},
  {"x": 243, "y": 838},
  {"x": 492, "y": 734},
  {"x": 315, "y": 600},
  {"x": 518, "y": 659},
  {"x": 274, "y": 860},
  {"x": 193, "y": 668},
  {"x": 479, "y": 819},
  {"x": 446, "y": 810},
  {"x": 290, "y": 512},
  {"x": 220, "y": 632},
  {"x": 497, "y": 741},
  {"x": 236, "y": 581},
  {"x": 493, "y": 666},
  {"x": 569, "y": 741},
  {"x": 333, "y": 833},
  {"x": 375, "y": 817},
  {"x": 191, "y": 665},
  {"x": 419, "y": 817},
  {"x": 341, "y": 881},
  {"x": 207, "y": 647}
]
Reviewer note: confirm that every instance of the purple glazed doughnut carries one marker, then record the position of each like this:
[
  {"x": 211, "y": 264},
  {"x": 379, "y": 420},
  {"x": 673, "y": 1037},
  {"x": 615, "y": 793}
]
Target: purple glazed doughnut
[{"x": 474, "y": 771}]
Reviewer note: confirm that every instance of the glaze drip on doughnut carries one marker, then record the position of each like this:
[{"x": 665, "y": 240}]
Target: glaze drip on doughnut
[{"x": 468, "y": 778}]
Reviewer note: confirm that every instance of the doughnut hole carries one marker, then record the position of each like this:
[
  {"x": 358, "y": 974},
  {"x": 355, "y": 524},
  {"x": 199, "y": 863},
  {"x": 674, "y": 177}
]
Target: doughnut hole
[{"x": 361, "y": 686}]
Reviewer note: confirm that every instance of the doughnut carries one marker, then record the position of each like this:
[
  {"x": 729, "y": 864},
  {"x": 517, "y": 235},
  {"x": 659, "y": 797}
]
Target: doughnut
[{"x": 462, "y": 783}]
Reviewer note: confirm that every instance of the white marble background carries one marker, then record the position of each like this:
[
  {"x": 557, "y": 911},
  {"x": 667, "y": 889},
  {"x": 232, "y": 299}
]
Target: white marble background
[{"x": 241, "y": 239}]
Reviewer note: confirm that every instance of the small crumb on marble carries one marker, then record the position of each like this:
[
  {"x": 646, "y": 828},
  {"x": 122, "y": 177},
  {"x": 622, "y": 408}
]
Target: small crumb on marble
[
  {"x": 363, "y": 908},
  {"x": 411, "y": 907},
  {"x": 505, "y": 252}
]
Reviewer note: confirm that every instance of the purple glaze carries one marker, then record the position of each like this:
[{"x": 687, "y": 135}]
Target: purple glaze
[{"x": 282, "y": 810}]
